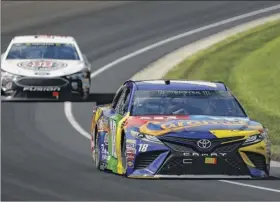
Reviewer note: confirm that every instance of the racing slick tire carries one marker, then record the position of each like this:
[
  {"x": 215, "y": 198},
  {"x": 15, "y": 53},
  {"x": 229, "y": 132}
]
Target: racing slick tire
[
  {"x": 97, "y": 162},
  {"x": 97, "y": 154},
  {"x": 123, "y": 155}
]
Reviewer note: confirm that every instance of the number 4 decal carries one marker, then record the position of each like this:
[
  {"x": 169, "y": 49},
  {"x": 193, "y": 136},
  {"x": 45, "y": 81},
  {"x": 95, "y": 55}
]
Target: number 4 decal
[{"x": 143, "y": 147}]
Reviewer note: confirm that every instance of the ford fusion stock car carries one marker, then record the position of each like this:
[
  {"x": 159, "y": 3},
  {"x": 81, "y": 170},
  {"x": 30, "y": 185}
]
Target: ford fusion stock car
[
  {"x": 178, "y": 129},
  {"x": 42, "y": 66}
]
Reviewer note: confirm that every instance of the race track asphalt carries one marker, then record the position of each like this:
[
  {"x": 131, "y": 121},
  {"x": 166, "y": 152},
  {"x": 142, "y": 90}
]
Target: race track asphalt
[{"x": 45, "y": 158}]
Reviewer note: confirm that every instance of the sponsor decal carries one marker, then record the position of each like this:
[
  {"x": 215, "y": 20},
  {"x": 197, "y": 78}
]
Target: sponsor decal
[
  {"x": 42, "y": 89},
  {"x": 130, "y": 145},
  {"x": 131, "y": 149},
  {"x": 106, "y": 139},
  {"x": 194, "y": 154},
  {"x": 102, "y": 125},
  {"x": 157, "y": 117},
  {"x": 113, "y": 135},
  {"x": 130, "y": 156},
  {"x": 104, "y": 152},
  {"x": 129, "y": 163},
  {"x": 42, "y": 65},
  {"x": 131, "y": 141},
  {"x": 209, "y": 160},
  {"x": 193, "y": 123}
]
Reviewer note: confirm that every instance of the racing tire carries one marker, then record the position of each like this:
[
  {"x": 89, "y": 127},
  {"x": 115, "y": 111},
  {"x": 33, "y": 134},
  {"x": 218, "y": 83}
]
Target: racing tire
[
  {"x": 97, "y": 161},
  {"x": 123, "y": 154}
]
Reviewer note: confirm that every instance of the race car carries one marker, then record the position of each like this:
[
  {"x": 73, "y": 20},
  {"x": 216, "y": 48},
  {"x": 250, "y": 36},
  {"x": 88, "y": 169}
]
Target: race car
[
  {"x": 178, "y": 129},
  {"x": 45, "y": 66}
]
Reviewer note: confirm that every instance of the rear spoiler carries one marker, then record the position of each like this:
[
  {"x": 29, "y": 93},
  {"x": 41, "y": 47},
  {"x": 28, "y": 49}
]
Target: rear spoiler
[{"x": 97, "y": 98}]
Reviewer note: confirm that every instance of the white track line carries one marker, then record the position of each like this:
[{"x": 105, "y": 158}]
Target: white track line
[
  {"x": 68, "y": 106},
  {"x": 275, "y": 164},
  {"x": 72, "y": 120},
  {"x": 252, "y": 186}
]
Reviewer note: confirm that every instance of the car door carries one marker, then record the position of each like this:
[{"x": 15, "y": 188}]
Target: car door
[{"x": 120, "y": 109}]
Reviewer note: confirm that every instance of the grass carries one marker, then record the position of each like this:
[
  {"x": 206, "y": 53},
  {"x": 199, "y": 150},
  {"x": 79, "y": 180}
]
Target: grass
[{"x": 249, "y": 63}]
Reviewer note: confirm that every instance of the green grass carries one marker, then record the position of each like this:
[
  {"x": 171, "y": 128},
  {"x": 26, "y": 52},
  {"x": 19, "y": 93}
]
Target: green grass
[{"x": 249, "y": 63}]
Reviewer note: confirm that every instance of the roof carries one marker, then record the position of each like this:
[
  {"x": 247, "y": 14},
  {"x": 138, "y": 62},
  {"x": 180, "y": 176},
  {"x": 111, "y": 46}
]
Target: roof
[
  {"x": 179, "y": 85},
  {"x": 43, "y": 39}
]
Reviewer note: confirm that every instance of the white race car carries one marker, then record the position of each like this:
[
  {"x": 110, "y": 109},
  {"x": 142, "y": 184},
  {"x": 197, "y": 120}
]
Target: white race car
[{"x": 45, "y": 66}]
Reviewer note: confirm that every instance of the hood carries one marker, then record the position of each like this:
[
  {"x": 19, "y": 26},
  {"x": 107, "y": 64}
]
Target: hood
[
  {"x": 42, "y": 68},
  {"x": 157, "y": 126}
]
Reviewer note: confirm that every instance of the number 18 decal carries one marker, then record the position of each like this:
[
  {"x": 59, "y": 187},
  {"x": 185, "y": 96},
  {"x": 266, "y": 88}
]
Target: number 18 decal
[{"x": 143, "y": 147}]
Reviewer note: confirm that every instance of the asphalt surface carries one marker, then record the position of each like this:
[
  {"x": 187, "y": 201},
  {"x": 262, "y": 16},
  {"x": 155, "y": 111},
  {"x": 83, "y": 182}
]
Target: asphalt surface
[{"x": 45, "y": 158}]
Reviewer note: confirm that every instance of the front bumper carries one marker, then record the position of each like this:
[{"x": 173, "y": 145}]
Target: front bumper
[
  {"x": 225, "y": 162},
  {"x": 50, "y": 88}
]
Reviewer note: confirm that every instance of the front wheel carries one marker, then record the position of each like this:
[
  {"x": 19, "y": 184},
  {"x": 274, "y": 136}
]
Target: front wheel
[
  {"x": 124, "y": 163},
  {"x": 97, "y": 155}
]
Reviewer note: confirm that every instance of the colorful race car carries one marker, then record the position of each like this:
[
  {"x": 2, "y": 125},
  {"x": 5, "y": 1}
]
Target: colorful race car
[
  {"x": 44, "y": 66},
  {"x": 178, "y": 129}
]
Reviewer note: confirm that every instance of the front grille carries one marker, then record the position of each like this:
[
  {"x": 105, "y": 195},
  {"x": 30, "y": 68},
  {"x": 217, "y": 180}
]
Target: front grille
[
  {"x": 179, "y": 147},
  {"x": 145, "y": 159},
  {"x": 181, "y": 144},
  {"x": 258, "y": 160},
  {"x": 58, "y": 82},
  {"x": 231, "y": 165},
  {"x": 188, "y": 140},
  {"x": 230, "y": 147}
]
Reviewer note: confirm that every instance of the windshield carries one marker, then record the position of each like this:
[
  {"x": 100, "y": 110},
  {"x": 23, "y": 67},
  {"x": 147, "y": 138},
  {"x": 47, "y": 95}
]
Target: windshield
[
  {"x": 174, "y": 102},
  {"x": 58, "y": 51}
]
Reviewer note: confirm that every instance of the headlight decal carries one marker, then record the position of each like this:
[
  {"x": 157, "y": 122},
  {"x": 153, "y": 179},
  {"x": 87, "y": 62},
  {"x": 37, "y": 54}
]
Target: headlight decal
[
  {"x": 253, "y": 139},
  {"x": 7, "y": 80}
]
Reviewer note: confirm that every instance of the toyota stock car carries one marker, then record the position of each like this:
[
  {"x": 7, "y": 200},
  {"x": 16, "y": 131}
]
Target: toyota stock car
[
  {"x": 178, "y": 129},
  {"x": 44, "y": 66}
]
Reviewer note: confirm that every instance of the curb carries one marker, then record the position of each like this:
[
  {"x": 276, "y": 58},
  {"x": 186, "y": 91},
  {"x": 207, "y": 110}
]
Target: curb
[{"x": 159, "y": 68}]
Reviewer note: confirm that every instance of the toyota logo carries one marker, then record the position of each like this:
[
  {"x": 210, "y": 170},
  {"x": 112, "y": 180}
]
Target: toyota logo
[{"x": 203, "y": 144}]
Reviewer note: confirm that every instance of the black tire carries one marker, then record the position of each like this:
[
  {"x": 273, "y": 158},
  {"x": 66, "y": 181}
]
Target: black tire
[
  {"x": 123, "y": 153},
  {"x": 97, "y": 162}
]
